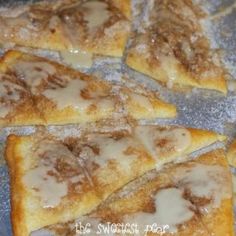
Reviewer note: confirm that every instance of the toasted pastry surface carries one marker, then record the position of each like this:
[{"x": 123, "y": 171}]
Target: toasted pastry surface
[
  {"x": 189, "y": 198},
  {"x": 231, "y": 154},
  {"x": 61, "y": 180},
  {"x": 98, "y": 26},
  {"x": 170, "y": 46},
  {"x": 55, "y": 94}
]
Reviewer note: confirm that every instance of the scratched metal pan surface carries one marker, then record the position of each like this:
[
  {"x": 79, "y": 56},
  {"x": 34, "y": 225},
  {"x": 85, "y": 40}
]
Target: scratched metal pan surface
[{"x": 198, "y": 108}]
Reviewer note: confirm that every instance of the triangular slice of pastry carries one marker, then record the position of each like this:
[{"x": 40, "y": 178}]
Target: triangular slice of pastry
[
  {"x": 64, "y": 179},
  {"x": 143, "y": 104},
  {"x": 96, "y": 27},
  {"x": 170, "y": 46},
  {"x": 62, "y": 95},
  {"x": 174, "y": 142},
  {"x": 189, "y": 198}
]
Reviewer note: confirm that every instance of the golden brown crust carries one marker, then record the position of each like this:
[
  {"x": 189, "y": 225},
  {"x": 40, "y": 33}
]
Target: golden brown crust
[
  {"x": 203, "y": 138},
  {"x": 14, "y": 161}
]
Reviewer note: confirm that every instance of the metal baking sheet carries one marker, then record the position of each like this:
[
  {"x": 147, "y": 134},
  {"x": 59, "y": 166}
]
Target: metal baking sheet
[{"x": 197, "y": 108}]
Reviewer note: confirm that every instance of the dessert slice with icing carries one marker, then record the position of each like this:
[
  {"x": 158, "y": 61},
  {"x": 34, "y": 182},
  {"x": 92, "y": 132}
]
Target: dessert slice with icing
[
  {"x": 64, "y": 179},
  {"x": 63, "y": 95},
  {"x": 170, "y": 46},
  {"x": 61, "y": 181},
  {"x": 83, "y": 27},
  {"x": 191, "y": 198}
]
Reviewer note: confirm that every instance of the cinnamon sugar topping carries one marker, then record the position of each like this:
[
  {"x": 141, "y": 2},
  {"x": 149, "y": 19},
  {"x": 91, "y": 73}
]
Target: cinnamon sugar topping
[
  {"x": 55, "y": 173},
  {"x": 10, "y": 94},
  {"x": 174, "y": 31}
]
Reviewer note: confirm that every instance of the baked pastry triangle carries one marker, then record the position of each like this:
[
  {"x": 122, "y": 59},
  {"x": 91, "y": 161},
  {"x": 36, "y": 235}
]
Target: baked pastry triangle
[
  {"x": 65, "y": 179},
  {"x": 89, "y": 27},
  {"x": 55, "y": 94},
  {"x": 170, "y": 46}
]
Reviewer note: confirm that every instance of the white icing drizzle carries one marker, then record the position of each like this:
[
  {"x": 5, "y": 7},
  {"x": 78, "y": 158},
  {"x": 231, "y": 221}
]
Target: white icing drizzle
[
  {"x": 171, "y": 210},
  {"x": 96, "y": 13},
  {"x": 33, "y": 73},
  {"x": 46, "y": 187},
  {"x": 111, "y": 149},
  {"x": 44, "y": 180},
  {"x": 70, "y": 96},
  {"x": 77, "y": 58},
  {"x": 205, "y": 181},
  {"x": 178, "y": 139},
  {"x": 178, "y": 208}
]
